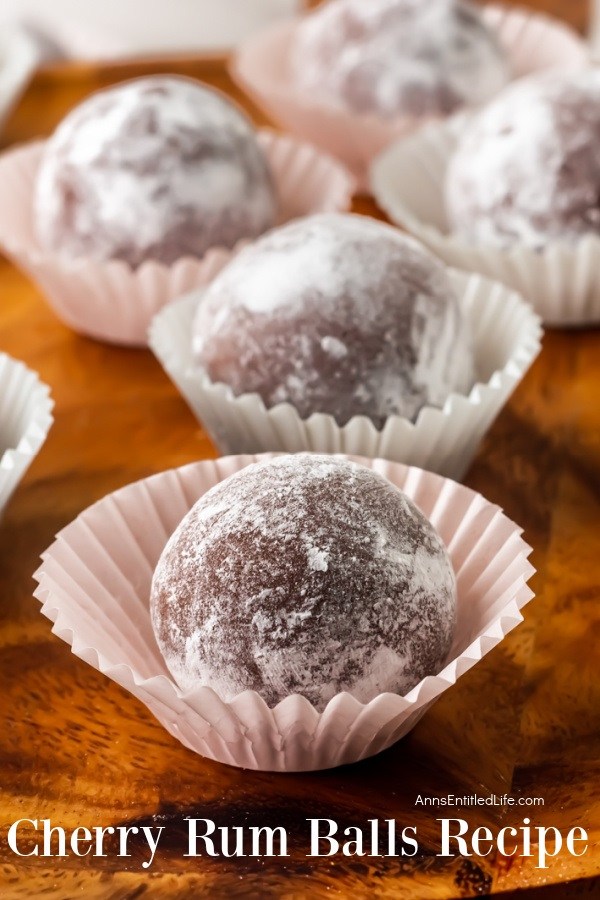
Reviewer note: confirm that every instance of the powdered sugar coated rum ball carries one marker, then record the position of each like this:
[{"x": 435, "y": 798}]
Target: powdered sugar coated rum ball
[
  {"x": 527, "y": 169},
  {"x": 336, "y": 314},
  {"x": 304, "y": 574},
  {"x": 156, "y": 168},
  {"x": 399, "y": 57}
]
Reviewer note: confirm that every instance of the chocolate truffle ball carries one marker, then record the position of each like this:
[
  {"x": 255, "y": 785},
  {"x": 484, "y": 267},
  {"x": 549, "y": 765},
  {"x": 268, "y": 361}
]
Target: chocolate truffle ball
[
  {"x": 335, "y": 314},
  {"x": 304, "y": 574},
  {"x": 156, "y": 168},
  {"x": 527, "y": 169},
  {"x": 398, "y": 57}
]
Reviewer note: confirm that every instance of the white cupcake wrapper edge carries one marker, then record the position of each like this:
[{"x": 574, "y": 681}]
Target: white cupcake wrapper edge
[
  {"x": 442, "y": 440},
  {"x": 25, "y": 420},
  {"x": 561, "y": 281}
]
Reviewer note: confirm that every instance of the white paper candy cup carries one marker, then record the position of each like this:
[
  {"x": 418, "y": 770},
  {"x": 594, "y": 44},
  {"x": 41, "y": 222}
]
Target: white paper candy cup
[
  {"x": 561, "y": 281},
  {"x": 533, "y": 42},
  {"x": 94, "y": 584},
  {"x": 110, "y": 300},
  {"x": 25, "y": 419},
  {"x": 506, "y": 335}
]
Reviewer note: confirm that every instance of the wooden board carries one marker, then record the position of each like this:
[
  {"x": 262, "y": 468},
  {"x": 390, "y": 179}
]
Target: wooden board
[{"x": 76, "y": 748}]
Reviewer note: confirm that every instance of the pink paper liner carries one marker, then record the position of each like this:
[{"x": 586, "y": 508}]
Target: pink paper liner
[
  {"x": 561, "y": 281},
  {"x": 532, "y": 41},
  {"x": 111, "y": 301},
  {"x": 94, "y": 585},
  {"x": 25, "y": 420},
  {"x": 506, "y": 339}
]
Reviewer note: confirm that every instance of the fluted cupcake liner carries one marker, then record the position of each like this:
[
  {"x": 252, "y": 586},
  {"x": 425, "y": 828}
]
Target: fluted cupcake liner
[
  {"x": 109, "y": 300},
  {"x": 25, "y": 419},
  {"x": 561, "y": 281},
  {"x": 532, "y": 41},
  {"x": 506, "y": 337},
  {"x": 94, "y": 585}
]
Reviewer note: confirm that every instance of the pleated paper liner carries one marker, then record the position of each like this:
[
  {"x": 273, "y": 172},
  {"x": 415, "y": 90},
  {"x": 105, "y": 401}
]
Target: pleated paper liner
[
  {"x": 533, "y": 42},
  {"x": 111, "y": 301},
  {"x": 561, "y": 281},
  {"x": 25, "y": 419},
  {"x": 506, "y": 335},
  {"x": 94, "y": 585}
]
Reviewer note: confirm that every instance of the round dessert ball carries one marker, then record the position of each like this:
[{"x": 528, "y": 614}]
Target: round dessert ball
[
  {"x": 336, "y": 314},
  {"x": 398, "y": 57},
  {"x": 304, "y": 575},
  {"x": 156, "y": 168},
  {"x": 527, "y": 169}
]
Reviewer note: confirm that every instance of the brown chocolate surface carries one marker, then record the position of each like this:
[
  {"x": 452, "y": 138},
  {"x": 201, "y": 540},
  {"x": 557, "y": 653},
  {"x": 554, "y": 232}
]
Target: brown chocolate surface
[
  {"x": 157, "y": 168},
  {"x": 398, "y": 57},
  {"x": 527, "y": 169},
  {"x": 305, "y": 574},
  {"x": 336, "y": 314}
]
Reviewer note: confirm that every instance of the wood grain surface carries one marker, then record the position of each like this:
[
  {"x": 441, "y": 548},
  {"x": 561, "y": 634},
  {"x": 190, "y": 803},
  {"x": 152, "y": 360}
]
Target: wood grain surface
[{"x": 76, "y": 748}]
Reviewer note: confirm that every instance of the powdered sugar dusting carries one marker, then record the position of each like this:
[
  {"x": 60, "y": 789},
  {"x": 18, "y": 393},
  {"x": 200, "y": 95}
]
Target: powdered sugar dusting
[
  {"x": 334, "y": 347},
  {"x": 307, "y": 575},
  {"x": 158, "y": 167},
  {"x": 317, "y": 559},
  {"x": 391, "y": 57},
  {"x": 275, "y": 274},
  {"x": 337, "y": 314},
  {"x": 527, "y": 169}
]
